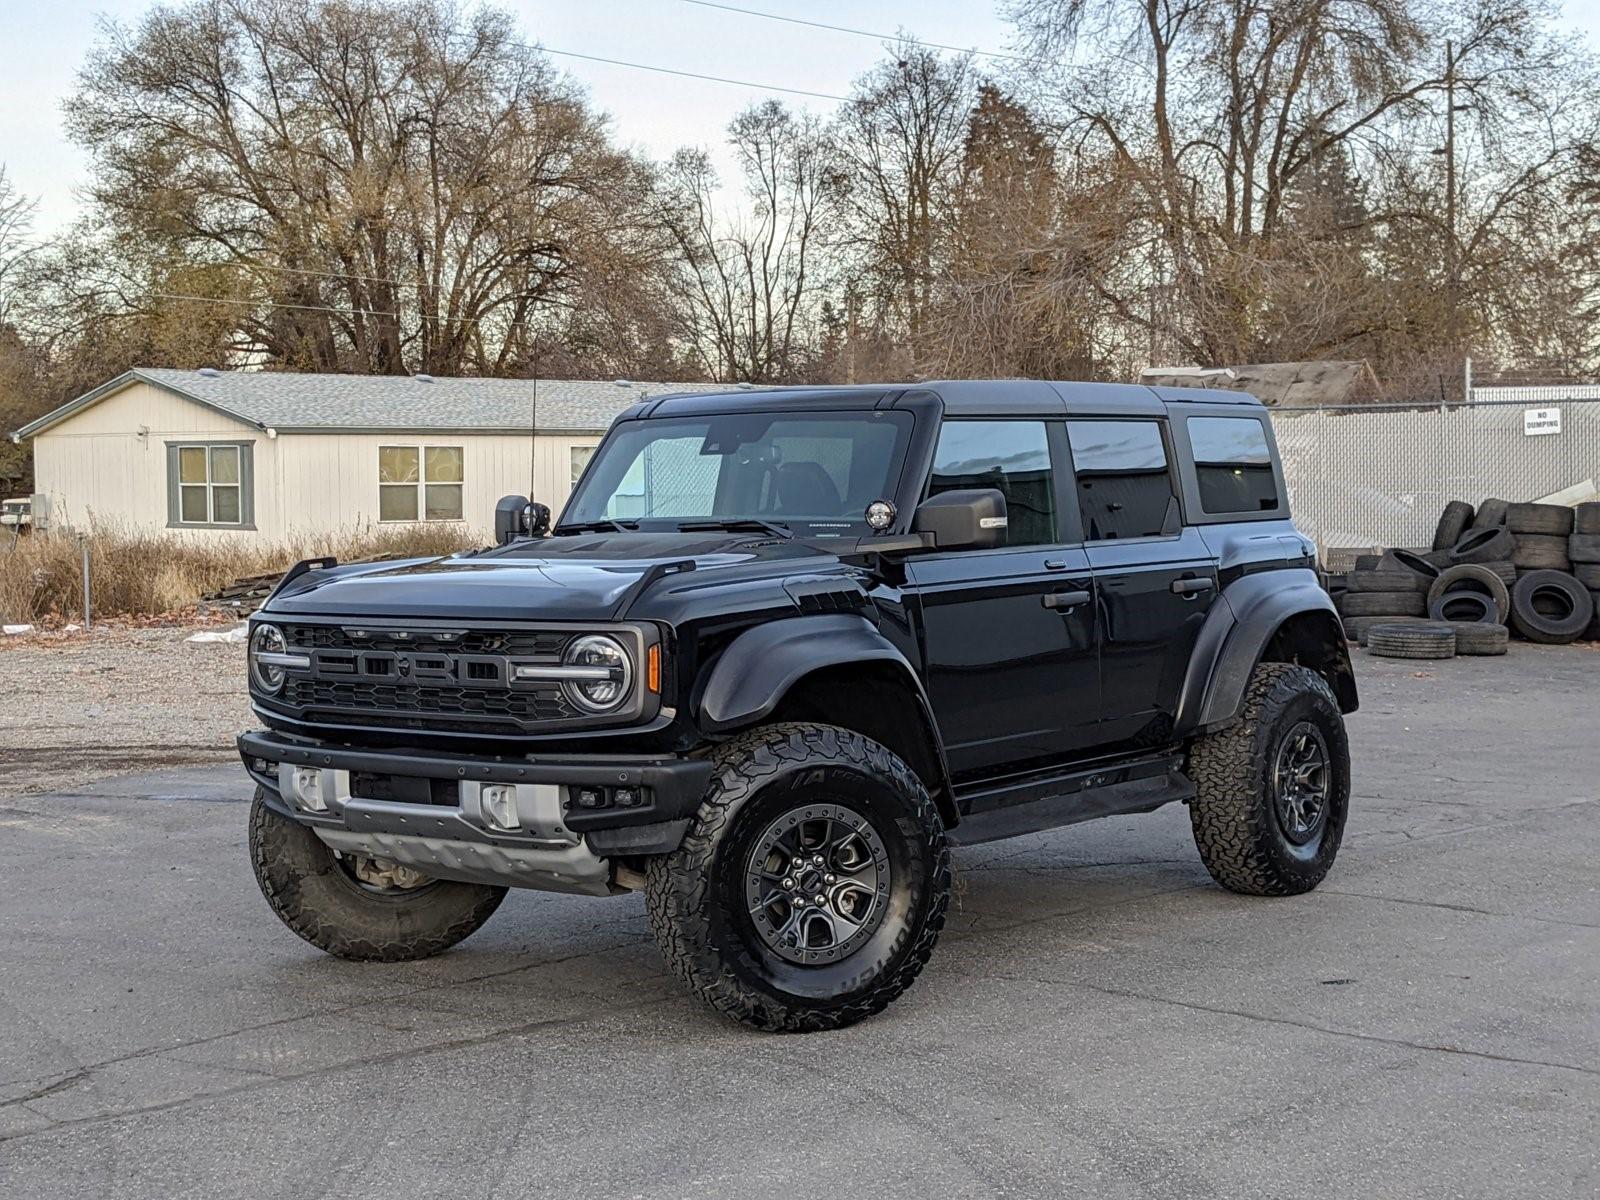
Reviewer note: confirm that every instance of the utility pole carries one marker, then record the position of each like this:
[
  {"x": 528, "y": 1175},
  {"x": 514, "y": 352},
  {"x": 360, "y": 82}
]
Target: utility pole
[{"x": 1452, "y": 272}]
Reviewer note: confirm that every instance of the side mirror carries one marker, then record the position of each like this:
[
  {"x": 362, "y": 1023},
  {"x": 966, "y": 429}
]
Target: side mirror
[
  {"x": 970, "y": 519},
  {"x": 518, "y": 516}
]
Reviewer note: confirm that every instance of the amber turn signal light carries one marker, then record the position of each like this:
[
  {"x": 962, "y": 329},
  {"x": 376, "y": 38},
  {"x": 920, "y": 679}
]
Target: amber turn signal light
[{"x": 652, "y": 669}]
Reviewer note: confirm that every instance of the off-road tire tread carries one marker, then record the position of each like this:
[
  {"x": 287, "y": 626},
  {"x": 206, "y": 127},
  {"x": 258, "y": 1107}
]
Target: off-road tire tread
[
  {"x": 282, "y": 893},
  {"x": 677, "y": 883},
  {"x": 1231, "y": 826}
]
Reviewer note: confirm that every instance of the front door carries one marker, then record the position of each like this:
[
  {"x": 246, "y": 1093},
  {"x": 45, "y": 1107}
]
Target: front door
[
  {"x": 1008, "y": 635},
  {"x": 1156, "y": 578}
]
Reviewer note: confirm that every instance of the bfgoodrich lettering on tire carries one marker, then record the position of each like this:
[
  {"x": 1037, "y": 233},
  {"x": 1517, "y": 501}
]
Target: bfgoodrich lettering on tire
[
  {"x": 812, "y": 886},
  {"x": 1273, "y": 789}
]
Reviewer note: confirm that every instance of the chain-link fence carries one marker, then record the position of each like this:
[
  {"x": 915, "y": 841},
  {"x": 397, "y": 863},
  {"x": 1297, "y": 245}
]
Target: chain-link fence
[{"x": 1379, "y": 475}]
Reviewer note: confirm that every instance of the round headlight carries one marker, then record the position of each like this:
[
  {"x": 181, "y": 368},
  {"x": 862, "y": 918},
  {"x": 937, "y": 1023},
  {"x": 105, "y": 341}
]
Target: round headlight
[
  {"x": 267, "y": 639},
  {"x": 611, "y": 670}
]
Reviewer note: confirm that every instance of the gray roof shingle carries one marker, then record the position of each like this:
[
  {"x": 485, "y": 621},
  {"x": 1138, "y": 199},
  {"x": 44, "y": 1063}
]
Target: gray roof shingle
[{"x": 289, "y": 402}]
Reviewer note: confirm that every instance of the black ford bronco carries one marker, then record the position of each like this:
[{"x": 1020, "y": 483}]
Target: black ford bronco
[{"x": 781, "y": 650}]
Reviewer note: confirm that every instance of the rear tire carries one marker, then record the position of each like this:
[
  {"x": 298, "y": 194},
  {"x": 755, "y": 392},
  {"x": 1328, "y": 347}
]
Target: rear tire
[
  {"x": 1258, "y": 780},
  {"x": 315, "y": 895},
  {"x": 735, "y": 916}
]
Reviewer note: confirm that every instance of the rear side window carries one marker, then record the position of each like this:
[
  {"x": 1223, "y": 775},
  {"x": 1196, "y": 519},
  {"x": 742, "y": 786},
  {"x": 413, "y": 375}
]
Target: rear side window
[
  {"x": 1013, "y": 456},
  {"x": 1124, "y": 484},
  {"x": 1233, "y": 465}
]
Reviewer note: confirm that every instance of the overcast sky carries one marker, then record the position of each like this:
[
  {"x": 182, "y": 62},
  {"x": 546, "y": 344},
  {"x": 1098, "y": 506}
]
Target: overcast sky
[{"x": 46, "y": 41}]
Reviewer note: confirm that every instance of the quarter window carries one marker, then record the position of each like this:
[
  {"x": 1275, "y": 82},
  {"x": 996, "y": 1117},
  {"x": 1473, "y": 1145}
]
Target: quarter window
[
  {"x": 209, "y": 483},
  {"x": 1233, "y": 465},
  {"x": 1124, "y": 485},
  {"x": 1012, "y": 456},
  {"x": 423, "y": 480}
]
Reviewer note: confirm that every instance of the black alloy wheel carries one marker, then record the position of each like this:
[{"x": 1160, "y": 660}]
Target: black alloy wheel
[{"x": 1300, "y": 779}]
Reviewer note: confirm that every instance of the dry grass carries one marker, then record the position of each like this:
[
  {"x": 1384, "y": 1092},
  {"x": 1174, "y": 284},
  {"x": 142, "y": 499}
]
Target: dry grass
[{"x": 142, "y": 574}]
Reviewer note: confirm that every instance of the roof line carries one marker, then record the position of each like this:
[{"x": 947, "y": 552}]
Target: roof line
[
  {"x": 131, "y": 376},
  {"x": 453, "y": 430}
]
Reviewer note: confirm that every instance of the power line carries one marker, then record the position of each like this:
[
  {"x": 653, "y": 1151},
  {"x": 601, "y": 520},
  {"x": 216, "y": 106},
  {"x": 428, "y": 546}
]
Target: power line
[
  {"x": 745, "y": 83},
  {"x": 867, "y": 33}
]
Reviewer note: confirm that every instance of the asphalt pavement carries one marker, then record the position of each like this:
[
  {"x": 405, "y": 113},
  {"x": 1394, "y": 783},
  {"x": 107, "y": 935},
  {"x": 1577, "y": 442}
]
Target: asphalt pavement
[{"x": 1099, "y": 1019}]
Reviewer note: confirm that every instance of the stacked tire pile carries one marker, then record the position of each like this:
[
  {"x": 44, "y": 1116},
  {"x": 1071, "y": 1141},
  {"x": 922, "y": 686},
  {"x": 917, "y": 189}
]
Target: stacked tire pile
[{"x": 1500, "y": 569}]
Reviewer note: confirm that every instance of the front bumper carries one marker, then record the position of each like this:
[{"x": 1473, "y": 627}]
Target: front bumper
[{"x": 509, "y": 821}]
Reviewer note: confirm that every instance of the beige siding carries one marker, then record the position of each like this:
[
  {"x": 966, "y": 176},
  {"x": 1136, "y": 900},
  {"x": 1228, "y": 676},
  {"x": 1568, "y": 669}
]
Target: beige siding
[{"x": 109, "y": 463}]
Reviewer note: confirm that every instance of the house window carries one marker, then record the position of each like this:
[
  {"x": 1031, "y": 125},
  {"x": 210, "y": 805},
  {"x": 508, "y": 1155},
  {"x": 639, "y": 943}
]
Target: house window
[
  {"x": 423, "y": 480},
  {"x": 210, "y": 485},
  {"x": 580, "y": 459}
]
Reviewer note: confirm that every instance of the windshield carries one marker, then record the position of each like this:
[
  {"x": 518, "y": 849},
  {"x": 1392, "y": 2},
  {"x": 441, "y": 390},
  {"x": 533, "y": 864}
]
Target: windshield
[{"x": 813, "y": 473}]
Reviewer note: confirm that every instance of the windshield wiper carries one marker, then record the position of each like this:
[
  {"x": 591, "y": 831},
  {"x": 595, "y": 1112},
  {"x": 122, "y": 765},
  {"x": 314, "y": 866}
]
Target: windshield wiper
[
  {"x": 734, "y": 524},
  {"x": 599, "y": 525}
]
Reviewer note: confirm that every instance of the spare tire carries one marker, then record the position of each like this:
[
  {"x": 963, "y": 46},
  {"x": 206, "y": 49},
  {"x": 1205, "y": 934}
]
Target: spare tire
[
  {"x": 1550, "y": 607},
  {"x": 1462, "y": 608},
  {"x": 1383, "y": 604},
  {"x": 1412, "y": 561},
  {"x": 1541, "y": 552},
  {"x": 1470, "y": 577},
  {"x": 1586, "y": 518},
  {"x": 1550, "y": 519},
  {"x": 1482, "y": 639},
  {"x": 1429, "y": 639},
  {"x": 1484, "y": 545},
  {"x": 1490, "y": 513},
  {"x": 1453, "y": 522},
  {"x": 1400, "y": 580},
  {"x": 1366, "y": 562},
  {"x": 1584, "y": 547},
  {"x": 1587, "y": 574}
]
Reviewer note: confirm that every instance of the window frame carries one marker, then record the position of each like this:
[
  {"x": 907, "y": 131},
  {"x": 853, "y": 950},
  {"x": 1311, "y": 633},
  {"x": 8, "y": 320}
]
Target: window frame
[
  {"x": 246, "y": 484},
  {"x": 1194, "y": 512},
  {"x": 1069, "y": 525},
  {"x": 420, "y": 487},
  {"x": 1174, "y": 475}
]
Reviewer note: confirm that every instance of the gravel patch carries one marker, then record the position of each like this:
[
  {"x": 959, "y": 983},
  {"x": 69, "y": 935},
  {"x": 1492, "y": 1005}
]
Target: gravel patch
[{"x": 75, "y": 709}]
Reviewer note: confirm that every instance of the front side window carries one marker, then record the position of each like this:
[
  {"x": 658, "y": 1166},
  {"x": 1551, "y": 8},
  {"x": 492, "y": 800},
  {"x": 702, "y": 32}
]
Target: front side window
[
  {"x": 208, "y": 483},
  {"x": 1233, "y": 465},
  {"x": 423, "y": 480},
  {"x": 1124, "y": 485},
  {"x": 812, "y": 472},
  {"x": 1012, "y": 456}
]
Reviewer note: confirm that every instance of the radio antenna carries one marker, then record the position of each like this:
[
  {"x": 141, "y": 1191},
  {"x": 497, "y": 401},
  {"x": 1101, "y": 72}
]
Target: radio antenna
[{"x": 533, "y": 425}]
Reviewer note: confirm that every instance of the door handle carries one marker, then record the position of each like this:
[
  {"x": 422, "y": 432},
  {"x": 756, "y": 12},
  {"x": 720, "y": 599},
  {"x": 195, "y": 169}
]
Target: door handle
[
  {"x": 1055, "y": 564},
  {"x": 1191, "y": 587},
  {"x": 1062, "y": 601}
]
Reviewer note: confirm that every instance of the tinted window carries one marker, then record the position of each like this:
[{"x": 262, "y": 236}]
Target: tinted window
[
  {"x": 1233, "y": 465},
  {"x": 1124, "y": 487},
  {"x": 1013, "y": 456}
]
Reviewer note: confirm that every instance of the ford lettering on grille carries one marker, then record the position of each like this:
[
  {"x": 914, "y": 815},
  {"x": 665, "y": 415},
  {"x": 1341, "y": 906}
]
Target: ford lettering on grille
[{"x": 417, "y": 668}]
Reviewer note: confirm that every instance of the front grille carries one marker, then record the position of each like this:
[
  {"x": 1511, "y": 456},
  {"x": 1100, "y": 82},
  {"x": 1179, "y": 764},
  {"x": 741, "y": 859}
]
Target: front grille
[{"x": 446, "y": 678}]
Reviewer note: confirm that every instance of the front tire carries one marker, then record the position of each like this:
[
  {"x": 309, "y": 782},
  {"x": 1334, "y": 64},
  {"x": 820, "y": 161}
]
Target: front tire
[
  {"x": 322, "y": 898},
  {"x": 1273, "y": 789},
  {"x": 812, "y": 886}
]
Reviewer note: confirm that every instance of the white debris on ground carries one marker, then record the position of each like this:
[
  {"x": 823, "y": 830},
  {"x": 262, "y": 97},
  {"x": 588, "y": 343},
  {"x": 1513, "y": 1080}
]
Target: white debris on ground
[
  {"x": 15, "y": 630},
  {"x": 237, "y": 634}
]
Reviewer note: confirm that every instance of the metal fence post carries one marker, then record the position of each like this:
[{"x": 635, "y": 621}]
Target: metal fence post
[{"x": 83, "y": 542}]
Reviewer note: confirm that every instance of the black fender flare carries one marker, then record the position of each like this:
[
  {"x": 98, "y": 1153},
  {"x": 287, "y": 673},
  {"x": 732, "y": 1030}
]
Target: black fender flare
[
  {"x": 1237, "y": 630},
  {"x": 751, "y": 677}
]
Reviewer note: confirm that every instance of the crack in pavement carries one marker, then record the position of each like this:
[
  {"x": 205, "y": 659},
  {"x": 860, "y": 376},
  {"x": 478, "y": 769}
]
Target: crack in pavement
[
  {"x": 331, "y": 1069},
  {"x": 1461, "y": 908},
  {"x": 1217, "y": 1010},
  {"x": 49, "y": 1089}
]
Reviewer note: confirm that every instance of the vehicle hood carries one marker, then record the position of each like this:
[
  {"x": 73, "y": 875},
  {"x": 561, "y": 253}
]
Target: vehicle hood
[{"x": 573, "y": 578}]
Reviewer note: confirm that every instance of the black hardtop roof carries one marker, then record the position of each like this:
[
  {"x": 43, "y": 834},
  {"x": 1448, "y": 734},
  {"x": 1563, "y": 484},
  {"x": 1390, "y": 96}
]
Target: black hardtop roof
[{"x": 961, "y": 397}]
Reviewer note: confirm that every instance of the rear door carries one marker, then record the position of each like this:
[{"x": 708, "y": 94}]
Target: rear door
[
  {"x": 1009, "y": 641},
  {"x": 1155, "y": 576}
]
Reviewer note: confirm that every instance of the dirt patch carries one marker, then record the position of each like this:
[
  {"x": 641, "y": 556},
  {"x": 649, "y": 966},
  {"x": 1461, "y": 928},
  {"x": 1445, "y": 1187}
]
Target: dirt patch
[{"x": 80, "y": 707}]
